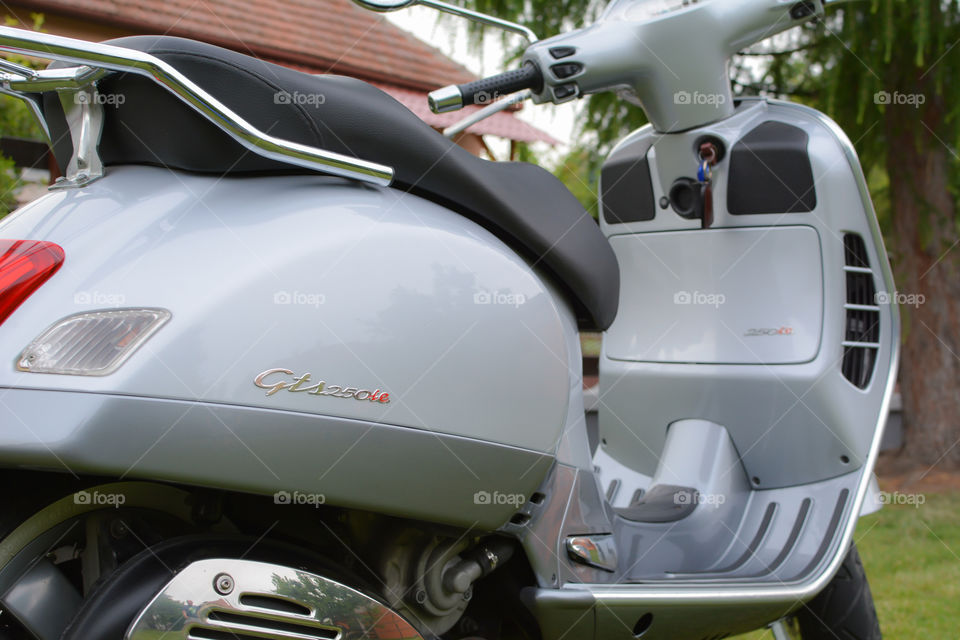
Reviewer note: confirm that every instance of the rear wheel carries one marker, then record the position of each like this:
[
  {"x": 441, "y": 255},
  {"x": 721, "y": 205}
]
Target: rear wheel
[
  {"x": 101, "y": 566},
  {"x": 73, "y": 544},
  {"x": 844, "y": 609}
]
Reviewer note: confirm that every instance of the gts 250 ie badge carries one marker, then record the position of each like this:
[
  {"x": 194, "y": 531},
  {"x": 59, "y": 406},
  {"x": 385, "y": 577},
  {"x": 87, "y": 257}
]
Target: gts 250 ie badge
[
  {"x": 759, "y": 333},
  {"x": 283, "y": 379}
]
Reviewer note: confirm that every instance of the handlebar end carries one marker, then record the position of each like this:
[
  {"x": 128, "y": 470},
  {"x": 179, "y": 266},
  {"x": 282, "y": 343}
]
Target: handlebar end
[{"x": 446, "y": 99}]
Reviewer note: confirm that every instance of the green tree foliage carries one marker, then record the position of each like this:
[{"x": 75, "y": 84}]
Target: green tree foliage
[
  {"x": 544, "y": 17},
  {"x": 578, "y": 171},
  {"x": 872, "y": 61},
  {"x": 15, "y": 118},
  {"x": 9, "y": 183},
  {"x": 887, "y": 72},
  {"x": 16, "y": 121}
]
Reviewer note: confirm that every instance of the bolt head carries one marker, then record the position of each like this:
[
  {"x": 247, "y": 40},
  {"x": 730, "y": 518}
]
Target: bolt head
[
  {"x": 223, "y": 584},
  {"x": 118, "y": 529}
]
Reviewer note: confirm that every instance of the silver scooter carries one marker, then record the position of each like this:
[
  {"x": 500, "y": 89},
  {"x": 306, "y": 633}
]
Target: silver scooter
[{"x": 284, "y": 363}]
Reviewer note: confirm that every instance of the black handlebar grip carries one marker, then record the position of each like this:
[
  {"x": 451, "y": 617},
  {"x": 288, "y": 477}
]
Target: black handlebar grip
[{"x": 487, "y": 90}]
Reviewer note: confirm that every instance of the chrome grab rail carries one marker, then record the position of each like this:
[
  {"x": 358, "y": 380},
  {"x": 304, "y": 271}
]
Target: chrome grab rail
[{"x": 96, "y": 57}]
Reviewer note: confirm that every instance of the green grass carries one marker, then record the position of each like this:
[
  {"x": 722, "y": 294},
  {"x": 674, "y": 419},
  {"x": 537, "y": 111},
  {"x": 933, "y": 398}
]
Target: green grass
[
  {"x": 156, "y": 635},
  {"x": 912, "y": 557}
]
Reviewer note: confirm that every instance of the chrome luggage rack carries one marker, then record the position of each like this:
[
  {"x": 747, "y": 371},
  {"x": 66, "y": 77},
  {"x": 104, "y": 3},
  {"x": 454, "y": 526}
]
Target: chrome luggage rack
[{"x": 76, "y": 87}]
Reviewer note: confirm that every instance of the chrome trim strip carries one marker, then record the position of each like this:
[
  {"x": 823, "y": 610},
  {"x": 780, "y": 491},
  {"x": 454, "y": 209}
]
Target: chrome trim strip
[
  {"x": 17, "y": 69},
  {"x": 851, "y": 269},
  {"x": 861, "y": 307},
  {"x": 866, "y": 345},
  {"x": 596, "y": 550},
  {"x": 102, "y": 56},
  {"x": 71, "y": 78}
]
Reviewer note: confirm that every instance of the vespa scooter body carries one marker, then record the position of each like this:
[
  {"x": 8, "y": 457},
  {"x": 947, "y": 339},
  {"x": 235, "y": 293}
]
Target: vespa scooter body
[{"x": 407, "y": 364}]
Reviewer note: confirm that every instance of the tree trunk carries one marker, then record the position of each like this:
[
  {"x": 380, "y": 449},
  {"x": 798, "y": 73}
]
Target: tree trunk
[{"x": 926, "y": 256}]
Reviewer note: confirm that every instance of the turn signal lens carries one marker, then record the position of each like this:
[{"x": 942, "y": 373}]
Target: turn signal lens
[
  {"x": 91, "y": 344},
  {"x": 24, "y": 266}
]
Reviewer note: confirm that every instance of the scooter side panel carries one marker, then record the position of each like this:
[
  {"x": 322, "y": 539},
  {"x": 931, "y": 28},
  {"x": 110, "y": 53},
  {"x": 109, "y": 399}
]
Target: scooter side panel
[{"x": 363, "y": 288}]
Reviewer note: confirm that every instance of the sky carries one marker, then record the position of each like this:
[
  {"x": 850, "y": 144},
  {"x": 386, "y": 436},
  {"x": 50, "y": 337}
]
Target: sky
[{"x": 450, "y": 37}]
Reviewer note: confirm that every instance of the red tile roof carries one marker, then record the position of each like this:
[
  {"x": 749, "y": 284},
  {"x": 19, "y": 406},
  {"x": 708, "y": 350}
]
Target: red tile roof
[
  {"x": 329, "y": 36},
  {"x": 317, "y": 36}
]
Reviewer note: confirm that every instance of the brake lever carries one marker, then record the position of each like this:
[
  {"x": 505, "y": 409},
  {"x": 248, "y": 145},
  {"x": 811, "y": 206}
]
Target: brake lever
[{"x": 486, "y": 112}]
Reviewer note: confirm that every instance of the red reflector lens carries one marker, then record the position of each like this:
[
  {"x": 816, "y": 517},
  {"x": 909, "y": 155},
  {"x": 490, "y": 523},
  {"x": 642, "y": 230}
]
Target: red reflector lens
[{"x": 24, "y": 266}]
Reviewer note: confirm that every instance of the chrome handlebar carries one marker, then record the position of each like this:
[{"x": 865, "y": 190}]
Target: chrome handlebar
[{"x": 673, "y": 63}]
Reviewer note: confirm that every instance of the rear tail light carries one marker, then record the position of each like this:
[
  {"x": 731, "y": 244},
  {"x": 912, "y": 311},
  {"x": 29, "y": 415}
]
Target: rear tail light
[{"x": 24, "y": 266}]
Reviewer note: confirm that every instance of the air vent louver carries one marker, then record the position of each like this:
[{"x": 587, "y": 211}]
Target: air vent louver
[{"x": 862, "y": 333}]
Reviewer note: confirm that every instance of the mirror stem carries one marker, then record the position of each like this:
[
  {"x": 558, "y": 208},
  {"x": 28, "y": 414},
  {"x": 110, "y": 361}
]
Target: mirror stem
[{"x": 482, "y": 18}]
